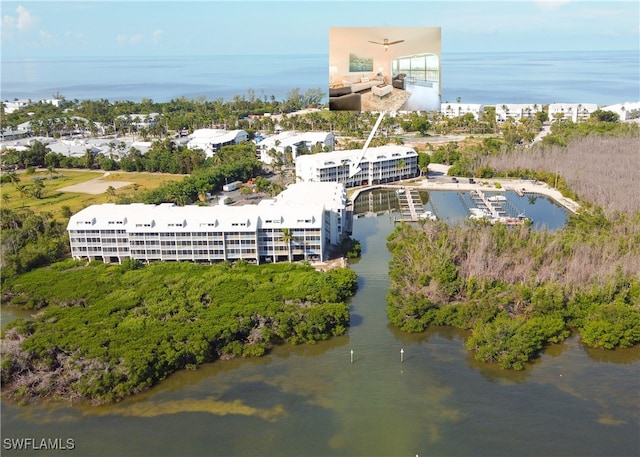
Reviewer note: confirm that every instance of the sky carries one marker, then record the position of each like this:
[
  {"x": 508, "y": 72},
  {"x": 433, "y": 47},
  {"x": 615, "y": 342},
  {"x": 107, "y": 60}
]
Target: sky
[{"x": 163, "y": 28}]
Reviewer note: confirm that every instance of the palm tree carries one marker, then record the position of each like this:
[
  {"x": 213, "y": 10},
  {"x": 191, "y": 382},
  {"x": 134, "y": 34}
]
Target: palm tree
[
  {"x": 181, "y": 200},
  {"x": 37, "y": 188},
  {"x": 287, "y": 237},
  {"x": 22, "y": 189},
  {"x": 111, "y": 192},
  {"x": 13, "y": 178},
  {"x": 401, "y": 165}
]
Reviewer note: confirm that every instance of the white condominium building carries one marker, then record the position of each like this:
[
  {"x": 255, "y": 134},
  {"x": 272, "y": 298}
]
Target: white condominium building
[
  {"x": 574, "y": 112},
  {"x": 286, "y": 228},
  {"x": 451, "y": 110},
  {"x": 517, "y": 112},
  {"x": 211, "y": 140},
  {"x": 296, "y": 141},
  {"x": 376, "y": 166},
  {"x": 626, "y": 111},
  {"x": 141, "y": 120},
  {"x": 332, "y": 196}
]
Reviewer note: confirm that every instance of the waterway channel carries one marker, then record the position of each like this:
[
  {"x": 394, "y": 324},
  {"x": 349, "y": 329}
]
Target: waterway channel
[{"x": 432, "y": 399}]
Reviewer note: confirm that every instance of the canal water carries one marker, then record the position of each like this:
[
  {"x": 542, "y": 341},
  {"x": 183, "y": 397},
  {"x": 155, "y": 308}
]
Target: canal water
[
  {"x": 396, "y": 394},
  {"x": 453, "y": 207}
]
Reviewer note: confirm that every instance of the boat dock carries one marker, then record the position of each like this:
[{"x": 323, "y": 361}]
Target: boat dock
[
  {"x": 493, "y": 208},
  {"x": 411, "y": 207}
]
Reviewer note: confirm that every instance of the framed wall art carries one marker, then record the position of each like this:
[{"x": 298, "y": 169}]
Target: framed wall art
[{"x": 357, "y": 63}]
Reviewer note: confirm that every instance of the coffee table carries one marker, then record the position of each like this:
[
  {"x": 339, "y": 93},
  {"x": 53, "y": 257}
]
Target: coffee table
[{"x": 383, "y": 90}]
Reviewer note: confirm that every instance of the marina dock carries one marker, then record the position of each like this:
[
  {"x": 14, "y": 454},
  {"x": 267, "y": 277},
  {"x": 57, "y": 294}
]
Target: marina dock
[
  {"x": 493, "y": 209},
  {"x": 411, "y": 206}
]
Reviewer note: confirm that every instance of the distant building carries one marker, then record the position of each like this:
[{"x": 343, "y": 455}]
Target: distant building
[
  {"x": 142, "y": 120},
  {"x": 53, "y": 101},
  {"x": 211, "y": 140},
  {"x": 516, "y": 112},
  {"x": 378, "y": 165},
  {"x": 298, "y": 142},
  {"x": 73, "y": 148},
  {"x": 281, "y": 229},
  {"x": 11, "y": 106},
  {"x": 21, "y": 131},
  {"x": 574, "y": 112},
  {"x": 626, "y": 111},
  {"x": 451, "y": 110}
]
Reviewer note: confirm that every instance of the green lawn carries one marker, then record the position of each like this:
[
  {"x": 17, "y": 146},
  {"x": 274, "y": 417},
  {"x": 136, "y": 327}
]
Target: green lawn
[{"x": 53, "y": 199}]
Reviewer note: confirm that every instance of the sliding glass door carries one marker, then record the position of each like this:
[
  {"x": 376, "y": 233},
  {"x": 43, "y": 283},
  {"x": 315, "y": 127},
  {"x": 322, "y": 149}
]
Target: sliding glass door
[{"x": 422, "y": 68}]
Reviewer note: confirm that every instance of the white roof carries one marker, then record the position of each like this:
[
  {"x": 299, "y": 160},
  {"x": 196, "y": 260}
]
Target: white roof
[
  {"x": 330, "y": 159},
  {"x": 468, "y": 106},
  {"x": 75, "y": 148},
  {"x": 290, "y": 138},
  {"x": 300, "y": 206},
  {"x": 562, "y": 106},
  {"x": 142, "y": 146},
  {"x": 278, "y": 214},
  {"x": 330, "y": 194},
  {"x": 216, "y": 135},
  {"x": 165, "y": 217},
  {"x": 626, "y": 105},
  {"x": 518, "y": 106},
  {"x": 140, "y": 117}
]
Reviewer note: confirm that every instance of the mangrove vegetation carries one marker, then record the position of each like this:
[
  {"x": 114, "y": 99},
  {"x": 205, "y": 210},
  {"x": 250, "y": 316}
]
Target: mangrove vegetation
[
  {"x": 107, "y": 331},
  {"x": 517, "y": 289}
]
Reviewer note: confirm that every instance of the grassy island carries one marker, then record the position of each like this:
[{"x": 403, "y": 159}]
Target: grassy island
[{"x": 108, "y": 331}]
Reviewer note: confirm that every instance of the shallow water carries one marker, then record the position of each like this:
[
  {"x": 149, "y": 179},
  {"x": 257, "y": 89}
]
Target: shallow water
[{"x": 311, "y": 400}]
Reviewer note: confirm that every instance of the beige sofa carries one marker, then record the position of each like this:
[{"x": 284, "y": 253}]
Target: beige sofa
[{"x": 359, "y": 83}]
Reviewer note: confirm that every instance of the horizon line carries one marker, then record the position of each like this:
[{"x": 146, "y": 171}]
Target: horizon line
[{"x": 443, "y": 53}]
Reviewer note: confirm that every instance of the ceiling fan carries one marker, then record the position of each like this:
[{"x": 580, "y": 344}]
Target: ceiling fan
[{"x": 386, "y": 43}]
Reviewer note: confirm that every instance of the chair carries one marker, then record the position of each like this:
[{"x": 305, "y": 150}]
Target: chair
[
  {"x": 342, "y": 99},
  {"x": 398, "y": 81}
]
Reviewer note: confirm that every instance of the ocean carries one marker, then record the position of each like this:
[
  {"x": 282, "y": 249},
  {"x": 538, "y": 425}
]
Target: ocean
[{"x": 601, "y": 77}]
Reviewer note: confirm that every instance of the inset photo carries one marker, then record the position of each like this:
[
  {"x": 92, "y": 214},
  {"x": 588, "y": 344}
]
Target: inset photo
[{"x": 385, "y": 68}]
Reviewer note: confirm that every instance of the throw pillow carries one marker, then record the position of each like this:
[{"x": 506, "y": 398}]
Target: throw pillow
[{"x": 364, "y": 79}]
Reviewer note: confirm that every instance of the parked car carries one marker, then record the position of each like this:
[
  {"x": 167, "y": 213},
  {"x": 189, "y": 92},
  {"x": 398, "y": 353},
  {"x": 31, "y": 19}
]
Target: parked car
[
  {"x": 472, "y": 181},
  {"x": 454, "y": 179}
]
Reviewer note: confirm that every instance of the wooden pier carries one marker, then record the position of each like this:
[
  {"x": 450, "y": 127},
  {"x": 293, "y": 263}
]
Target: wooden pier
[
  {"x": 481, "y": 201},
  {"x": 492, "y": 209},
  {"x": 411, "y": 208}
]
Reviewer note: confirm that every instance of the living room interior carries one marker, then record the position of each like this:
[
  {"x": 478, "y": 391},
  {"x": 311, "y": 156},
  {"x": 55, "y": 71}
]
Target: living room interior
[{"x": 385, "y": 68}]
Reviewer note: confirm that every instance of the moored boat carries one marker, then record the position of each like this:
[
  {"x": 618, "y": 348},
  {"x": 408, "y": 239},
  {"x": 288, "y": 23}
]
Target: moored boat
[{"x": 427, "y": 215}]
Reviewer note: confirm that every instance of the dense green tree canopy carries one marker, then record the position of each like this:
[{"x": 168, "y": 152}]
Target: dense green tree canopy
[{"x": 110, "y": 331}]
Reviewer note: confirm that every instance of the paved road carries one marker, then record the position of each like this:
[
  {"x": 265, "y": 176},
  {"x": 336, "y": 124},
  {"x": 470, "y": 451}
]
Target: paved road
[{"x": 546, "y": 129}]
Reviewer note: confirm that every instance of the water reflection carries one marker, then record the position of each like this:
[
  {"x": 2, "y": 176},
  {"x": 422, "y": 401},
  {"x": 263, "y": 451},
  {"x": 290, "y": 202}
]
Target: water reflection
[
  {"x": 616, "y": 356},
  {"x": 312, "y": 400},
  {"x": 10, "y": 313},
  {"x": 453, "y": 207}
]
